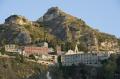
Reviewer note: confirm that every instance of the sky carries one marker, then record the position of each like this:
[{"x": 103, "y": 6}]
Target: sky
[{"x": 99, "y": 14}]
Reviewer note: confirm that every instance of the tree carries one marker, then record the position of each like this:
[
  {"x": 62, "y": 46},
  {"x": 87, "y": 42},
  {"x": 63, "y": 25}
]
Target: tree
[
  {"x": 32, "y": 57},
  {"x": 59, "y": 62},
  {"x": 109, "y": 67},
  {"x": 19, "y": 58},
  {"x": 118, "y": 64},
  {"x": 2, "y": 51}
]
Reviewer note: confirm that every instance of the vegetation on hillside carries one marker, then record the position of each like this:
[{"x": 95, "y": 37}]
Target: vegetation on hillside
[{"x": 57, "y": 28}]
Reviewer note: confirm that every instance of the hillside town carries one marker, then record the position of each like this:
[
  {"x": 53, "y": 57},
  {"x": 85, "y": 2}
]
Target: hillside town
[
  {"x": 49, "y": 56},
  {"x": 57, "y": 45}
]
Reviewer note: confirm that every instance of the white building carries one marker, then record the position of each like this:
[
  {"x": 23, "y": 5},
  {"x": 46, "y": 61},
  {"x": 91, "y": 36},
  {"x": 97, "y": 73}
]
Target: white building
[
  {"x": 51, "y": 58},
  {"x": 43, "y": 44},
  {"x": 76, "y": 57},
  {"x": 12, "y": 48}
]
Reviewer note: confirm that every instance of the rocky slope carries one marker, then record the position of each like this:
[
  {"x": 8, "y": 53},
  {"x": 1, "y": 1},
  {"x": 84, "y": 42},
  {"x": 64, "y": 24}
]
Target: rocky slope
[
  {"x": 69, "y": 28},
  {"x": 19, "y": 30},
  {"x": 55, "y": 25}
]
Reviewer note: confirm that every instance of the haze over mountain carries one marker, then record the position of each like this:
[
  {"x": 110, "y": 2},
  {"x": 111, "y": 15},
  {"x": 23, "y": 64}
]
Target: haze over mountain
[{"x": 55, "y": 25}]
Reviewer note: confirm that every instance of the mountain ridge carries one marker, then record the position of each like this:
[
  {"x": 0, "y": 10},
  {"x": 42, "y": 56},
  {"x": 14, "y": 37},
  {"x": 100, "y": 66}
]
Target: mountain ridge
[{"x": 59, "y": 26}]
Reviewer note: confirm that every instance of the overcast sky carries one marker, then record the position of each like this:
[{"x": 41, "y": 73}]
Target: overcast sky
[{"x": 100, "y": 14}]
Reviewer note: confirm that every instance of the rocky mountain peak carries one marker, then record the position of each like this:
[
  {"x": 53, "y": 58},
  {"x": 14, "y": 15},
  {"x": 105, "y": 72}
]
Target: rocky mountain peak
[
  {"x": 53, "y": 10},
  {"x": 16, "y": 19},
  {"x": 53, "y": 13},
  {"x": 60, "y": 23}
]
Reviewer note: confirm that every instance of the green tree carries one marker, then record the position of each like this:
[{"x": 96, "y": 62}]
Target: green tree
[
  {"x": 109, "y": 67},
  {"x": 2, "y": 51},
  {"x": 59, "y": 62}
]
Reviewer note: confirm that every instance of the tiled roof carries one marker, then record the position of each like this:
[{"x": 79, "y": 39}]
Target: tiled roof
[{"x": 36, "y": 50}]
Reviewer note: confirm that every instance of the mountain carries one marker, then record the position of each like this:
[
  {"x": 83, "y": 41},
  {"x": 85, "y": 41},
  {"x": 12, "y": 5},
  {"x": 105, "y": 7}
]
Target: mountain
[
  {"x": 62, "y": 25},
  {"x": 69, "y": 28},
  {"x": 56, "y": 26},
  {"x": 17, "y": 29}
]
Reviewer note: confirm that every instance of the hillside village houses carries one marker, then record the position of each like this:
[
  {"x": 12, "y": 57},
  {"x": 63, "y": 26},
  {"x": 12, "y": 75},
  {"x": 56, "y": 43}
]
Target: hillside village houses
[
  {"x": 67, "y": 58},
  {"x": 27, "y": 50},
  {"x": 43, "y": 52}
]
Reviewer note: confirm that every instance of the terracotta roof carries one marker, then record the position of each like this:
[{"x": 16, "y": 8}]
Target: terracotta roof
[{"x": 36, "y": 50}]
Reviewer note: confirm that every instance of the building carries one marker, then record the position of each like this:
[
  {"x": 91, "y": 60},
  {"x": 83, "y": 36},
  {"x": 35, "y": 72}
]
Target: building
[
  {"x": 50, "y": 58},
  {"x": 31, "y": 50},
  {"x": 12, "y": 48},
  {"x": 43, "y": 44},
  {"x": 51, "y": 50},
  {"x": 58, "y": 50},
  {"x": 76, "y": 57}
]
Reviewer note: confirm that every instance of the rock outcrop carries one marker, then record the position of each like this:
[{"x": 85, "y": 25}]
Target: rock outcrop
[
  {"x": 62, "y": 25},
  {"x": 14, "y": 34},
  {"x": 19, "y": 30},
  {"x": 16, "y": 19}
]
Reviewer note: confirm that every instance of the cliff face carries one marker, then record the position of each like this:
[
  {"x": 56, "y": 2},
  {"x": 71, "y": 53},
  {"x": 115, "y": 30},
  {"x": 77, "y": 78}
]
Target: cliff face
[
  {"x": 55, "y": 25},
  {"x": 14, "y": 34},
  {"x": 19, "y": 30},
  {"x": 17, "y": 19},
  {"x": 62, "y": 25},
  {"x": 69, "y": 28}
]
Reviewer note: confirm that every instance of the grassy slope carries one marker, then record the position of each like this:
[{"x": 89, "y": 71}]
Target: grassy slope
[{"x": 13, "y": 69}]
